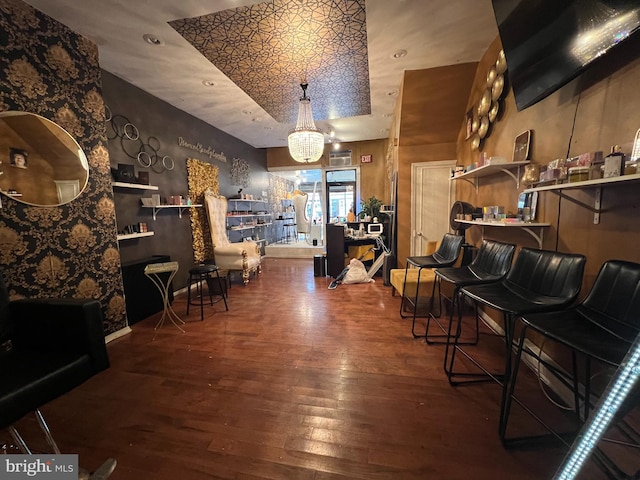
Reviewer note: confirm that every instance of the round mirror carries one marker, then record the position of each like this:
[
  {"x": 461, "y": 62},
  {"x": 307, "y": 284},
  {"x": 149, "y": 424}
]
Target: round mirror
[{"x": 40, "y": 163}]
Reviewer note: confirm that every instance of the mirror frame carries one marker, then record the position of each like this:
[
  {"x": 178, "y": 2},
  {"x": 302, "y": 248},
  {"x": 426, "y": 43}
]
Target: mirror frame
[{"x": 31, "y": 147}]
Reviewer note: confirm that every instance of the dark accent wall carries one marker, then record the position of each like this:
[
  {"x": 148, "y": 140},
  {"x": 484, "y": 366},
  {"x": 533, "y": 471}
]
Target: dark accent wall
[
  {"x": 71, "y": 250},
  {"x": 165, "y": 123}
]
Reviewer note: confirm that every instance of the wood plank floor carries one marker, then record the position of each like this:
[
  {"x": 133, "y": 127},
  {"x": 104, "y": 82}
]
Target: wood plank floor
[{"x": 294, "y": 382}]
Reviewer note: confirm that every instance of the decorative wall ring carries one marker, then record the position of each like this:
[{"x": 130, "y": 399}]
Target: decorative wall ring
[
  {"x": 475, "y": 142},
  {"x": 475, "y": 121},
  {"x": 485, "y": 103},
  {"x": 154, "y": 143},
  {"x": 498, "y": 86},
  {"x": 144, "y": 159},
  {"x": 491, "y": 77},
  {"x": 484, "y": 127},
  {"x": 493, "y": 112},
  {"x": 107, "y": 113},
  {"x": 501, "y": 63},
  {"x": 131, "y": 131},
  {"x": 131, "y": 147},
  {"x": 168, "y": 163}
]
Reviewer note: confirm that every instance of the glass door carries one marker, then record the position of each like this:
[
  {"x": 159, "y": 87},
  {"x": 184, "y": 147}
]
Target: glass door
[{"x": 341, "y": 194}]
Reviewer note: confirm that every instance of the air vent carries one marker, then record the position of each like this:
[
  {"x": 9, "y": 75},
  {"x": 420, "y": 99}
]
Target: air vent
[{"x": 340, "y": 159}]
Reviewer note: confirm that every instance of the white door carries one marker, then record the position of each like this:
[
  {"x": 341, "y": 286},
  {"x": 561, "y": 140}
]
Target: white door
[{"x": 431, "y": 202}]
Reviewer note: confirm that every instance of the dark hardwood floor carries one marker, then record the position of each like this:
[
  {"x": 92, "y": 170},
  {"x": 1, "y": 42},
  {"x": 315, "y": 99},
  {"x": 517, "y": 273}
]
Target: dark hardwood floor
[{"x": 294, "y": 382}]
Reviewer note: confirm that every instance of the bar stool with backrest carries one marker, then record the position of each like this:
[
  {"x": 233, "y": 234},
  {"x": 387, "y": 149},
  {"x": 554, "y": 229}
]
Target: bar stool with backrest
[
  {"x": 539, "y": 281},
  {"x": 200, "y": 274},
  {"x": 445, "y": 256},
  {"x": 490, "y": 265},
  {"x": 601, "y": 328}
]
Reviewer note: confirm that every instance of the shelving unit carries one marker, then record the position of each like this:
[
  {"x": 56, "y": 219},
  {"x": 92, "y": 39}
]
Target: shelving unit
[
  {"x": 487, "y": 170},
  {"x": 237, "y": 218},
  {"x": 525, "y": 226},
  {"x": 598, "y": 184},
  {"x": 181, "y": 208},
  {"x": 129, "y": 236}
]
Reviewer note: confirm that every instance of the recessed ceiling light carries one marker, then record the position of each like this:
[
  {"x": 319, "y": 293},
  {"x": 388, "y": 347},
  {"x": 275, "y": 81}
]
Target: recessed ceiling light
[
  {"x": 209, "y": 83},
  {"x": 247, "y": 112},
  {"x": 392, "y": 93},
  {"x": 399, "y": 54},
  {"x": 152, "y": 39},
  {"x": 267, "y": 127},
  {"x": 388, "y": 115},
  {"x": 256, "y": 119}
]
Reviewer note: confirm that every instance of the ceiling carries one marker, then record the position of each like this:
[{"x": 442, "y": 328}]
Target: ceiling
[{"x": 237, "y": 64}]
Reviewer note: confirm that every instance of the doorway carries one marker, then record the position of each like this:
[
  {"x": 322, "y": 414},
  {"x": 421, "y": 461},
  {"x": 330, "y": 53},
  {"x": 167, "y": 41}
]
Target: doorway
[
  {"x": 430, "y": 203},
  {"x": 342, "y": 193}
]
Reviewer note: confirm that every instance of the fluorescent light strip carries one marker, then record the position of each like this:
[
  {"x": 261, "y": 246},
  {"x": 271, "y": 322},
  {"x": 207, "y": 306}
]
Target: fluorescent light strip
[{"x": 620, "y": 386}]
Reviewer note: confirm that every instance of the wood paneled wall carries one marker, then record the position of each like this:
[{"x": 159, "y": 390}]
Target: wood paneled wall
[{"x": 605, "y": 102}]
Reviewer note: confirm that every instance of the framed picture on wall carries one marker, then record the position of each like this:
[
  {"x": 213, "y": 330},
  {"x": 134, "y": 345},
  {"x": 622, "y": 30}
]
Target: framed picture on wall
[
  {"x": 18, "y": 157},
  {"x": 521, "y": 151},
  {"x": 469, "y": 124}
]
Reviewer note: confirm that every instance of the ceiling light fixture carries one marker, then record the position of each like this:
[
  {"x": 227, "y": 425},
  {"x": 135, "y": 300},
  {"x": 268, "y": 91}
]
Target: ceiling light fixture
[
  {"x": 399, "y": 54},
  {"x": 209, "y": 83},
  {"x": 306, "y": 142},
  {"x": 152, "y": 39}
]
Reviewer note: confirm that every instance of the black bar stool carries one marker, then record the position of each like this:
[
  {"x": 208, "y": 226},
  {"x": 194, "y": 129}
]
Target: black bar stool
[{"x": 199, "y": 274}]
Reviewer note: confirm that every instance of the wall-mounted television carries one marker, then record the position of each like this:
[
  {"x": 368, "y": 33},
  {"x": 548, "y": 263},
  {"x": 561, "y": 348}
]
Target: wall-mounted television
[{"x": 547, "y": 43}]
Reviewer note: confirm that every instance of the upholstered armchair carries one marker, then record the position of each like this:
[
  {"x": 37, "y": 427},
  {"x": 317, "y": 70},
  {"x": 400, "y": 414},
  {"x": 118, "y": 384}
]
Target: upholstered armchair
[
  {"x": 302, "y": 221},
  {"x": 243, "y": 256}
]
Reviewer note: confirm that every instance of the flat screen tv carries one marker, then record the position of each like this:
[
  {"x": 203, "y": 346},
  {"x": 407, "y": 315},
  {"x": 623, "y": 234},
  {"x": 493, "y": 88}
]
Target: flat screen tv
[{"x": 547, "y": 43}]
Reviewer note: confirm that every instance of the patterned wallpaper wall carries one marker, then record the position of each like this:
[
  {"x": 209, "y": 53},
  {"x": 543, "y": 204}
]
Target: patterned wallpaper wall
[
  {"x": 71, "y": 250},
  {"x": 267, "y": 47}
]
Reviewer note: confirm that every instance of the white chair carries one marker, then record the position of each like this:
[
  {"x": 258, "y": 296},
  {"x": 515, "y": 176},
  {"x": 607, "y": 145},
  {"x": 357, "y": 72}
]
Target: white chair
[
  {"x": 303, "y": 225},
  {"x": 243, "y": 256}
]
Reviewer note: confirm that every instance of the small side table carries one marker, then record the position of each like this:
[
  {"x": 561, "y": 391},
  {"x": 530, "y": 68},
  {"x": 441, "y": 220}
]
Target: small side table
[{"x": 153, "y": 271}]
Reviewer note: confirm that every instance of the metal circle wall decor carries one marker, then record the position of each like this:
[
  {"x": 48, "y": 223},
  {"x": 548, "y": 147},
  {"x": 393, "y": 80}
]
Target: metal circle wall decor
[
  {"x": 497, "y": 88},
  {"x": 484, "y": 127},
  {"x": 146, "y": 154},
  {"x": 485, "y": 103},
  {"x": 491, "y": 77},
  {"x": 475, "y": 141},
  {"x": 475, "y": 121},
  {"x": 488, "y": 108},
  {"x": 501, "y": 63},
  {"x": 493, "y": 111}
]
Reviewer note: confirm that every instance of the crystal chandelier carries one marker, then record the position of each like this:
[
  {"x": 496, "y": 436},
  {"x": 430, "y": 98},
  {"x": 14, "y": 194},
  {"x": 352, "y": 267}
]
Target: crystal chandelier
[{"x": 306, "y": 142}]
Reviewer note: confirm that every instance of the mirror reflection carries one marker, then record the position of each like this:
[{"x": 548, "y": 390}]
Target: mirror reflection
[{"x": 40, "y": 163}]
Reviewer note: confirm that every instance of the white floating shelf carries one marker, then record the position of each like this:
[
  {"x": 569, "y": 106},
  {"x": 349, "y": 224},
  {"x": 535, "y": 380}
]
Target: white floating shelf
[
  {"x": 135, "y": 186},
  {"x": 129, "y": 236}
]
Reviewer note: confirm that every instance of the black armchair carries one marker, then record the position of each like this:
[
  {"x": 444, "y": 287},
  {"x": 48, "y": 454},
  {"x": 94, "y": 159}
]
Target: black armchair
[{"x": 49, "y": 347}]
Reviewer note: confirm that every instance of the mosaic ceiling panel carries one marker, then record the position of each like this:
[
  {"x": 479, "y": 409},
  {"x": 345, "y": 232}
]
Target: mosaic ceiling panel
[{"x": 266, "y": 48}]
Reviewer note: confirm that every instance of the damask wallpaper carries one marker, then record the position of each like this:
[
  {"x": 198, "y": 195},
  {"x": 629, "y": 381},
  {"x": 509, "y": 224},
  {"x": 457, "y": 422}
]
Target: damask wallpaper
[{"x": 70, "y": 250}]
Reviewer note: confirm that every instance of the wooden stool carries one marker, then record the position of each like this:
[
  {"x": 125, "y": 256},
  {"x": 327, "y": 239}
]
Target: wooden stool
[{"x": 197, "y": 275}]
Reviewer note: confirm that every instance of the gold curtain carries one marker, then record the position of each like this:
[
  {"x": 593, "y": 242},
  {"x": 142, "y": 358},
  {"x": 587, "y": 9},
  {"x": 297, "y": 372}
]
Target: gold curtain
[{"x": 201, "y": 176}]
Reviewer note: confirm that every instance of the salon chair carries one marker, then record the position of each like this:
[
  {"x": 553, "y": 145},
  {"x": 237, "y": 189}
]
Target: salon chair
[
  {"x": 601, "y": 330},
  {"x": 539, "y": 281},
  {"x": 48, "y": 347},
  {"x": 491, "y": 264},
  {"x": 445, "y": 256}
]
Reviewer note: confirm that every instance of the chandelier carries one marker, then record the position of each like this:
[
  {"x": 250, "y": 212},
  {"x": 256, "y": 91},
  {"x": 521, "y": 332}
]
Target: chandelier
[{"x": 306, "y": 142}]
